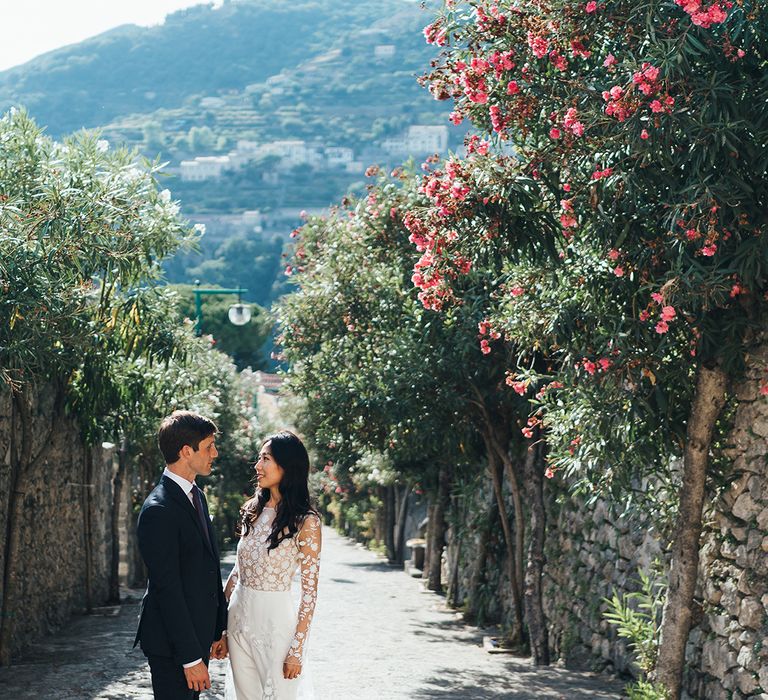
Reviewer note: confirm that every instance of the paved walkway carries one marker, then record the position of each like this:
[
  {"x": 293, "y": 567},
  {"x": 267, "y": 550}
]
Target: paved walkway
[{"x": 376, "y": 636}]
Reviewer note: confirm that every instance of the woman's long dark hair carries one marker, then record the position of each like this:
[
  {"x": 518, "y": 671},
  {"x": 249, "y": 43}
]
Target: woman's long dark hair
[{"x": 295, "y": 504}]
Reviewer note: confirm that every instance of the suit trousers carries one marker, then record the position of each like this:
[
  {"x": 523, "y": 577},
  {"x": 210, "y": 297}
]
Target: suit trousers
[{"x": 168, "y": 679}]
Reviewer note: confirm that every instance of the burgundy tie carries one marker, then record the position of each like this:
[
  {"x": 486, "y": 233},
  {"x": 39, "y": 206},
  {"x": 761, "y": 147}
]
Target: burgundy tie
[{"x": 197, "y": 497}]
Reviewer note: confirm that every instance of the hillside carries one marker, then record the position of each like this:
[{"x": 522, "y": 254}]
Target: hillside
[
  {"x": 198, "y": 51},
  {"x": 261, "y": 109}
]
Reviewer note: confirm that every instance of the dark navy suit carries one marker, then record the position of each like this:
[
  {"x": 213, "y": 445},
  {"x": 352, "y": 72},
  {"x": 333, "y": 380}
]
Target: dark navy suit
[{"x": 183, "y": 611}]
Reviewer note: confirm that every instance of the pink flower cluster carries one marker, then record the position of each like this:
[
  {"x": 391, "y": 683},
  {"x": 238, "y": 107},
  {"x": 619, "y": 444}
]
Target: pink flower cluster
[
  {"x": 533, "y": 421},
  {"x": 705, "y": 16},
  {"x": 538, "y": 44},
  {"x": 427, "y": 277},
  {"x": 601, "y": 174},
  {"x": 668, "y": 313},
  {"x": 490, "y": 21},
  {"x": 572, "y": 123},
  {"x": 603, "y": 364},
  {"x": 568, "y": 219},
  {"x": 486, "y": 333},
  {"x": 520, "y": 386},
  {"x": 552, "y": 385},
  {"x": 435, "y": 34},
  {"x": 622, "y": 103}
]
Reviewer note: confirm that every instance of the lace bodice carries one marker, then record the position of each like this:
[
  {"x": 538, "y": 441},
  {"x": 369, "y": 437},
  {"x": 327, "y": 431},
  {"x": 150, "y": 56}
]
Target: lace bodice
[{"x": 262, "y": 569}]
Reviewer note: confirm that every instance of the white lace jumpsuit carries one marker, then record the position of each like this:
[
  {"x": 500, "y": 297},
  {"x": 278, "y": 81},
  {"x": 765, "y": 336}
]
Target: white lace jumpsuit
[{"x": 264, "y": 628}]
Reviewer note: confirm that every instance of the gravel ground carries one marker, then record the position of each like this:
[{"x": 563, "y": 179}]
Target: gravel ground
[{"x": 375, "y": 635}]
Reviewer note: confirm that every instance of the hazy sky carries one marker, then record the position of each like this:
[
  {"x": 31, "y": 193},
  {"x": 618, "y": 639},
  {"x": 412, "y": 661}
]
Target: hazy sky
[{"x": 31, "y": 27}]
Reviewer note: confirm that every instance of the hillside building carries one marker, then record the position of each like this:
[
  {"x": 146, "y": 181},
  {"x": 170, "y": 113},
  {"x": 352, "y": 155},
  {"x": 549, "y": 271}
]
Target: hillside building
[{"x": 419, "y": 140}]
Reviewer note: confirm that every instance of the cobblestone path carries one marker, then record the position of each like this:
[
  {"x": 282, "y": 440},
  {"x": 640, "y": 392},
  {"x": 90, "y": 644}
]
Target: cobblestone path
[{"x": 376, "y": 636}]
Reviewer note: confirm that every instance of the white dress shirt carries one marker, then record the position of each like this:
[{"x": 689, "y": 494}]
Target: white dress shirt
[{"x": 186, "y": 487}]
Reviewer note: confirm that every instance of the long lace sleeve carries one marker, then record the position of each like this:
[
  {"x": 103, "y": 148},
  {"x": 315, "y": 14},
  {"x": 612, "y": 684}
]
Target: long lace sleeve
[
  {"x": 231, "y": 581},
  {"x": 309, "y": 542}
]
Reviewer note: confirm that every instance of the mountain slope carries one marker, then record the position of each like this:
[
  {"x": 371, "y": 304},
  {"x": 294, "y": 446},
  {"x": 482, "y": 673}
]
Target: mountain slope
[{"x": 198, "y": 51}]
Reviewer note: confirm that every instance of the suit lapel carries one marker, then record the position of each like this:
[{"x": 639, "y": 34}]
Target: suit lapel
[{"x": 178, "y": 495}]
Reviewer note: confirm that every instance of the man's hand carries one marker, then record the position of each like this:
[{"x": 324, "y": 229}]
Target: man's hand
[
  {"x": 220, "y": 649},
  {"x": 197, "y": 677},
  {"x": 291, "y": 667}
]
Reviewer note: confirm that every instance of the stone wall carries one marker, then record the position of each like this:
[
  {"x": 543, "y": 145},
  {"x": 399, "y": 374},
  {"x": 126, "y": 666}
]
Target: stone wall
[
  {"x": 593, "y": 552},
  {"x": 65, "y": 528}
]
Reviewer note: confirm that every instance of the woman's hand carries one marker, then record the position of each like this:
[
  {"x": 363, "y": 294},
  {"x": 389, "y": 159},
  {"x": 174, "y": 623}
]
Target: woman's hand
[{"x": 291, "y": 667}]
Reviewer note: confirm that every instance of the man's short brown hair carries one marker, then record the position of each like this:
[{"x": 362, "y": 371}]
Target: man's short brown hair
[{"x": 182, "y": 428}]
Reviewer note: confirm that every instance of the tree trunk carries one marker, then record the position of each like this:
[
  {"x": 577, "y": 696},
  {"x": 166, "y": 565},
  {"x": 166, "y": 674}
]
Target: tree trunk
[
  {"x": 438, "y": 526},
  {"x": 519, "y": 514},
  {"x": 473, "y": 608},
  {"x": 496, "y": 477},
  {"x": 428, "y": 537},
  {"x": 13, "y": 525},
  {"x": 534, "y": 609},
  {"x": 402, "y": 514},
  {"x": 88, "y": 487},
  {"x": 389, "y": 523},
  {"x": 118, "y": 492},
  {"x": 708, "y": 402}
]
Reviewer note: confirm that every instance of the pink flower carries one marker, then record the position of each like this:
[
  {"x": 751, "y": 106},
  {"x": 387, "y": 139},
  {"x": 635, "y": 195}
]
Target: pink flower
[
  {"x": 539, "y": 45},
  {"x": 517, "y": 291},
  {"x": 512, "y": 87},
  {"x": 691, "y": 234},
  {"x": 589, "y": 366},
  {"x": 590, "y": 7},
  {"x": 644, "y": 134},
  {"x": 613, "y": 254},
  {"x": 610, "y": 60},
  {"x": 764, "y": 390},
  {"x": 709, "y": 250},
  {"x": 658, "y": 298},
  {"x": 566, "y": 187},
  {"x": 668, "y": 313},
  {"x": 554, "y": 133},
  {"x": 549, "y": 472},
  {"x": 527, "y": 432},
  {"x": 618, "y": 271},
  {"x": 605, "y": 364},
  {"x": 600, "y": 174},
  {"x": 520, "y": 387},
  {"x": 735, "y": 290},
  {"x": 485, "y": 347},
  {"x": 662, "y": 327},
  {"x": 455, "y": 118},
  {"x": 656, "y": 107},
  {"x": 644, "y": 315}
]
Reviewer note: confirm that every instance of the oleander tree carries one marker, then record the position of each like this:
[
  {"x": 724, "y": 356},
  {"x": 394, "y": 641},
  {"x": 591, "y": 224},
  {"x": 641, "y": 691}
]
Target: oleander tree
[
  {"x": 379, "y": 371},
  {"x": 355, "y": 338},
  {"x": 88, "y": 329},
  {"x": 618, "y": 174}
]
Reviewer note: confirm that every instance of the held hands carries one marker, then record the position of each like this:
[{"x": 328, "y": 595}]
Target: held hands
[
  {"x": 197, "y": 677},
  {"x": 220, "y": 649},
  {"x": 291, "y": 667}
]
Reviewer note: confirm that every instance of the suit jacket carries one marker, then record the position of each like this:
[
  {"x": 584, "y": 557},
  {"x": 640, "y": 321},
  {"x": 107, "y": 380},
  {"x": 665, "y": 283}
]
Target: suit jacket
[{"x": 183, "y": 610}]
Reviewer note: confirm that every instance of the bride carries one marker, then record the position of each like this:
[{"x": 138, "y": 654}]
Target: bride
[{"x": 267, "y": 635}]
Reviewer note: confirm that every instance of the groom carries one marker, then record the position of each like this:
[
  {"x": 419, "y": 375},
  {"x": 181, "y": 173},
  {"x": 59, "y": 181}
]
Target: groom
[{"x": 183, "y": 613}]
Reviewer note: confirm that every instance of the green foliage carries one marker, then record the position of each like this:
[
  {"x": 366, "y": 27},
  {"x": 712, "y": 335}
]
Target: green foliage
[
  {"x": 637, "y": 617},
  {"x": 245, "y": 344},
  {"x": 82, "y": 231}
]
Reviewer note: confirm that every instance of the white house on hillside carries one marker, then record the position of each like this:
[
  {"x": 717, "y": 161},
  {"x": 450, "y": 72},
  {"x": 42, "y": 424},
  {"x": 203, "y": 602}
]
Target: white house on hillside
[
  {"x": 418, "y": 140},
  {"x": 204, "y": 168}
]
